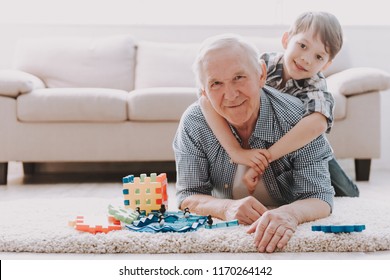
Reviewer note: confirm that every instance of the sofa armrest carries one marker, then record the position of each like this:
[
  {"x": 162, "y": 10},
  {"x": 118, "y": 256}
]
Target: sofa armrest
[
  {"x": 15, "y": 82},
  {"x": 358, "y": 80}
]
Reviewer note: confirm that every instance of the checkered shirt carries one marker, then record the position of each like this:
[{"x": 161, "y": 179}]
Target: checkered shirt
[
  {"x": 204, "y": 167},
  {"x": 312, "y": 92}
]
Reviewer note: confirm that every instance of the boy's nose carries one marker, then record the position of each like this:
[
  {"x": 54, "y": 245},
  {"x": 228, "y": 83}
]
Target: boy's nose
[{"x": 306, "y": 59}]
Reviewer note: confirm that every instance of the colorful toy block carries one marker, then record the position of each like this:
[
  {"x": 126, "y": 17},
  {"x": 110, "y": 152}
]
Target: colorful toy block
[
  {"x": 145, "y": 193},
  {"x": 339, "y": 228},
  {"x": 80, "y": 224},
  {"x": 125, "y": 215}
]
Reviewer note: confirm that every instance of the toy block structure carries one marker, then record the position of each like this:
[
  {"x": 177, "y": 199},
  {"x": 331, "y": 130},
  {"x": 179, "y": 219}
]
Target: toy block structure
[{"x": 145, "y": 193}]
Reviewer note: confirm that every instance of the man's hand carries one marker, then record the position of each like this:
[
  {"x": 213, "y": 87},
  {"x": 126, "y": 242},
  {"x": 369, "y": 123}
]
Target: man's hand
[
  {"x": 273, "y": 230},
  {"x": 246, "y": 210}
]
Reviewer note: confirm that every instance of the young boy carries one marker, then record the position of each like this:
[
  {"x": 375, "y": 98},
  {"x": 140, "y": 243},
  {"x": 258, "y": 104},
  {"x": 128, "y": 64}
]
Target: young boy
[{"x": 310, "y": 46}]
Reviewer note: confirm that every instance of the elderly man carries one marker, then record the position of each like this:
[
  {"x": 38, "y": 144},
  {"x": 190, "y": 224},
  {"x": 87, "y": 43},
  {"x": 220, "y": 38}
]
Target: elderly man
[{"x": 294, "y": 189}]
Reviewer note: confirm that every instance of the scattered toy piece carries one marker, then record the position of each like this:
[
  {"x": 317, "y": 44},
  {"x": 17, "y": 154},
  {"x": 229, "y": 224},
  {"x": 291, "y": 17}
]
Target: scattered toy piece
[
  {"x": 125, "y": 215},
  {"x": 338, "y": 228},
  {"x": 80, "y": 225},
  {"x": 232, "y": 223}
]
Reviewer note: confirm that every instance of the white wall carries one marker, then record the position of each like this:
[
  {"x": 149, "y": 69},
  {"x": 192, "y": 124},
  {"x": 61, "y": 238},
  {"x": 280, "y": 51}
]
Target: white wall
[{"x": 369, "y": 46}]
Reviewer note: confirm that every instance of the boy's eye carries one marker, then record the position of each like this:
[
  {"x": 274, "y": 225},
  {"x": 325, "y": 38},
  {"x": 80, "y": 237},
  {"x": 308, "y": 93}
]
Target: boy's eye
[
  {"x": 303, "y": 46},
  {"x": 320, "y": 57}
]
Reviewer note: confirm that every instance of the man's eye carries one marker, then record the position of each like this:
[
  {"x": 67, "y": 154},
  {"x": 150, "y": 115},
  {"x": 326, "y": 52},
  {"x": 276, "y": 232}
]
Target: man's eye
[
  {"x": 238, "y": 78},
  {"x": 215, "y": 84}
]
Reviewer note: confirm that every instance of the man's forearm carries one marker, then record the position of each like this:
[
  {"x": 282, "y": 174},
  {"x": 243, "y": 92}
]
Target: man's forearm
[
  {"x": 307, "y": 210},
  {"x": 206, "y": 205}
]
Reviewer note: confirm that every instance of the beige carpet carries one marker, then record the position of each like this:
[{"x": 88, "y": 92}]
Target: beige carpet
[{"x": 41, "y": 226}]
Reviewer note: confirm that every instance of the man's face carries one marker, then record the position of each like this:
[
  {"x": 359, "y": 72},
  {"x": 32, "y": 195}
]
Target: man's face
[
  {"x": 232, "y": 85},
  {"x": 305, "y": 55}
]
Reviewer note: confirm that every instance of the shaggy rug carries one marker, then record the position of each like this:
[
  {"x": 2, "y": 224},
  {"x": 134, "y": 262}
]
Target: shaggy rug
[{"x": 41, "y": 226}]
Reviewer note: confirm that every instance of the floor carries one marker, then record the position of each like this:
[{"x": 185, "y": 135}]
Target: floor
[{"x": 80, "y": 185}]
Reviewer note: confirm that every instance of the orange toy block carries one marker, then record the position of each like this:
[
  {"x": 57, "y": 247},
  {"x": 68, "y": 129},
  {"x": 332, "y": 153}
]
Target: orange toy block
[{"x": 80, "y": 224}]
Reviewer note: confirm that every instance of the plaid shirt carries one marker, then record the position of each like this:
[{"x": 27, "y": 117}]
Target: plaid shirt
[
  {"x": 312, "y": 92},
  {"x": 204, "y": 167}
]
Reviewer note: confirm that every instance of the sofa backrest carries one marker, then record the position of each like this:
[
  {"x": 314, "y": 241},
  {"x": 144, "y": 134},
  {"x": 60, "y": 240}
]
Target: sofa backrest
[
  {"x": 162, "y": 64},
  {"x": 101, "y": 62},
  {"x": 119, "y": 62}
]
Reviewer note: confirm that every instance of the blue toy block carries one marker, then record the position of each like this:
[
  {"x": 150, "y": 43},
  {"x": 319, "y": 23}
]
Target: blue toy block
[
  {"x": 232, "y": 223},
  {"x": 128, "y": 179},
  {"x": 339, "y": 228}
]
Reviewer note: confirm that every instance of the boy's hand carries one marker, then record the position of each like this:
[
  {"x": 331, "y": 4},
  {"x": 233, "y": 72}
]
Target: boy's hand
[
  {"x": 258, "y": 159},
  {"x": 251, "y": 178}
]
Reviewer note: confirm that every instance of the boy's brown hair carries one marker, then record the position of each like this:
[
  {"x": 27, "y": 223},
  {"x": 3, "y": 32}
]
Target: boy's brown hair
[{"x": 325, "y": 25}]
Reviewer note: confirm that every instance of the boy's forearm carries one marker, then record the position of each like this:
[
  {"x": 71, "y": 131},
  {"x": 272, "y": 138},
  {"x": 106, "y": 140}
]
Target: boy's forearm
[
  {"x": 220, "y": 128},
  {"x": 305, "y": 131}
]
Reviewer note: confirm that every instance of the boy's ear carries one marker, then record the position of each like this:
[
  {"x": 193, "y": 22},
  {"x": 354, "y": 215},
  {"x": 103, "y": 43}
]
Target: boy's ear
[
  {"x": 285, "y": 38},
  {"x": 326, "y": 66}
]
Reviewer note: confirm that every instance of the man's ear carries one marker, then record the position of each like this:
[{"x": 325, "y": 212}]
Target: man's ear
[
  {"x": 326, "y": 66},
  {"x": 263, "y": 76},
  {"x": 201, "y": 92},
  {"x": 285, "y": 38}
]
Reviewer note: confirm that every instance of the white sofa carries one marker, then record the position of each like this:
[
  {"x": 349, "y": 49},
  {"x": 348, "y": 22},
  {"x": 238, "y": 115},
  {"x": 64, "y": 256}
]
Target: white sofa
[{"x": 117, "y": 99}]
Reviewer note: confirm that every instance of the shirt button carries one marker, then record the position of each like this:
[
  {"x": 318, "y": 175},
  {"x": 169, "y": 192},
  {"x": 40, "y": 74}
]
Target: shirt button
[
  {"x": 231, "y": 161},
  {"x": 226, "y": 186}
]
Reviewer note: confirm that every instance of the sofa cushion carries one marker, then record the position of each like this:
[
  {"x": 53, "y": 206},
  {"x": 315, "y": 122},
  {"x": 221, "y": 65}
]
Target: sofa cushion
[
  {"x": 160, "y": 104},
  {"x": 170, "y": 64},
  {"x": 14, "y": 82},
  {"x": 72, "y": 105},
  {"x": 359, "y": 80},
  {"x": 106, "y": 62},
  {"x": 165, "y": 64}
]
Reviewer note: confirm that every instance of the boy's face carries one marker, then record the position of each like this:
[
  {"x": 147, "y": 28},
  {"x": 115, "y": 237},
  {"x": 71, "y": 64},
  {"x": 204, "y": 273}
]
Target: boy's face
[{"x": 305, "y": 56}]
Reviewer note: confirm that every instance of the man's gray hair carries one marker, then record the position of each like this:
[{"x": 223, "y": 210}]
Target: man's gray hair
[{"x": 220, "y": 42}]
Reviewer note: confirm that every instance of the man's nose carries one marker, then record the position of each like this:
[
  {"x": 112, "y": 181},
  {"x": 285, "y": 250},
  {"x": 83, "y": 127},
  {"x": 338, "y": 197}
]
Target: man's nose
[{"x": 230, "y": 93}]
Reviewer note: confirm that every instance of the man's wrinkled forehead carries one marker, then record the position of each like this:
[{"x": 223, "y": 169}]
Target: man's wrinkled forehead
[{"x": 223, "y": 63}]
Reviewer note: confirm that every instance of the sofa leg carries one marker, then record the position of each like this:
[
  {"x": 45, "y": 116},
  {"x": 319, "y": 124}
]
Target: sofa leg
[
  {"x": 362, "y": 169},
  {"x": 28, "y": 168},
  {"x": 3, "y": 173}
]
